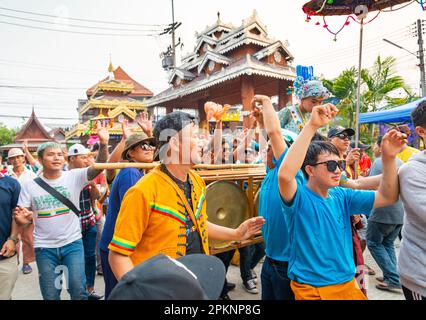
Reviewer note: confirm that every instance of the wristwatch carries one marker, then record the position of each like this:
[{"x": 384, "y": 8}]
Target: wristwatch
[{"x": 13, "y": 238}]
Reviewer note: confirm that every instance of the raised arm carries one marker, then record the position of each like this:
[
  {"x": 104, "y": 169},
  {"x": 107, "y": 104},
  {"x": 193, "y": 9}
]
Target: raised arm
[
  {"x": 32, "y": 162},
  {"x": 118, "y": 150},
  {"x": 268, "y": 120},
  {"x": 145, "y": 123},
  {"x": 392, "y": 144},
  {"x": 103, "y": 135},
  {"x": 293, "y": 161}
]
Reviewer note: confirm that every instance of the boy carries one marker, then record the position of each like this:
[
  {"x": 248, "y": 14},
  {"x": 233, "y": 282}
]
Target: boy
[{"x": 321, "y": 264}]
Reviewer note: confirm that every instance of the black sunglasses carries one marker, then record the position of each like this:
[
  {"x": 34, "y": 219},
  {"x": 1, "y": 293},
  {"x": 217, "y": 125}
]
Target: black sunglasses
[
  {"x": 343, "y": 136},
  {"x": 147, "y": 147},
  {"x": 332, "y": 165}
]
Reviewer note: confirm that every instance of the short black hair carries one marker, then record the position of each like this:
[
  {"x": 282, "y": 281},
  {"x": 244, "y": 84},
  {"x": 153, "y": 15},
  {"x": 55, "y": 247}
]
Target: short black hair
[
  {"x": 379, "y": 140},
  {"x": 315, "y": 149},
  {"x": 418, "y": 115},
  {"x": 319, "y": 137}
]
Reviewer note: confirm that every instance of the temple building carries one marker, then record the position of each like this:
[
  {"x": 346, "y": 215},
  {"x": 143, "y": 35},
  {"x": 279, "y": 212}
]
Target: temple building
[
  {"x": 111, "y": 100},
  {"x": 229, "y": 65},
  {"x": 34, "y": 133}
]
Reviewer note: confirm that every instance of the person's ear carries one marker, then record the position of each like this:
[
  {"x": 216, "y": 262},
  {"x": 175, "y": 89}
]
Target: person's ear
[
  {"x": 309, "y": 170},
  {"x": 174, "y": 143},
  {"x": 421, "y": 132}
]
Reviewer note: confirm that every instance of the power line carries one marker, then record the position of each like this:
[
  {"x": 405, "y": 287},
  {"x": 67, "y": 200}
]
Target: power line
[
  {"x": 86, "y": 20},
  {"x": 372, "y": 41},
  {"x": 39, "y": 87},
  {"x": 76, "y": 25},
  {"x": 50, "y": 65},
  {"x": 79, "y": 32},
  {"x": 50, "y": 118},
  {"x": 345, "y": 52}
]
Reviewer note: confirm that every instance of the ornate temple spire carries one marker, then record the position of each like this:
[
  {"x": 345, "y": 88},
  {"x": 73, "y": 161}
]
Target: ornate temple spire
[{"x": 110, "y": 69}]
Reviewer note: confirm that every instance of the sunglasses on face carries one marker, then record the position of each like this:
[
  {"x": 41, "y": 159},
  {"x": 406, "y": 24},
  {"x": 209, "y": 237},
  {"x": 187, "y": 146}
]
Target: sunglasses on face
[
  {"x": 147, "y": 147},
  {"x": 332, "y": 165},
  {"x": 343, "y": 136}
]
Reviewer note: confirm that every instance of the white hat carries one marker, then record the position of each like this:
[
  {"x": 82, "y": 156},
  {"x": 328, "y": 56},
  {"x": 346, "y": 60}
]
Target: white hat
[
  {"x": 77, "y": 150},
  {"x": 15, "y": 152}
]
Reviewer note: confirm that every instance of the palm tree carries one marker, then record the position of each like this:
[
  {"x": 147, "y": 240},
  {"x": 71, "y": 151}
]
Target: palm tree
[
  {"x": 380, "y": 81},
  {"x": 377, "y": 84},
  {"x": 344, "y": 87}
]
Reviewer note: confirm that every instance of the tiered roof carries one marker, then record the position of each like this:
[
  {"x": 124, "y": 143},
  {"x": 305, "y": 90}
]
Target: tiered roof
[
  {"x": 213, "y": 60},
  {"x": 120, "y": 75}
]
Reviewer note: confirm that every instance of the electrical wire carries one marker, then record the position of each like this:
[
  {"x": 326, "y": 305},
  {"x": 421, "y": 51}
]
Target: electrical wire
[
  {"x": 78, "y": 26},
  {"x": 39, "y": 117},
  {"x": 78, "y": 32},
  {"x": 85, "y": 20},
  {"x": 39, "y": 87}
]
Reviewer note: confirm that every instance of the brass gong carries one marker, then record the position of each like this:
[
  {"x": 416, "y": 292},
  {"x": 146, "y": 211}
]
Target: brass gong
[{"x": 227, "y": 206}]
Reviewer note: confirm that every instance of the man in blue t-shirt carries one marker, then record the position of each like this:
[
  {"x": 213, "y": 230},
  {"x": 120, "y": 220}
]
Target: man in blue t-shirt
[
  {"x": 275, "y": 282},
  {"x": 321, "y": 264},
  {"x": 138, "y": 148}
]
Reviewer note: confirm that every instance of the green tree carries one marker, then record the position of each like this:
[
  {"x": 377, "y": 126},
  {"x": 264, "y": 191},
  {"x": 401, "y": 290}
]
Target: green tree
[
  {"x": 377, "y": 84},
  {"x": 344, "y": 87},
  {"x": 380, "y": 81},
  {"x": 6, "y": 134}
]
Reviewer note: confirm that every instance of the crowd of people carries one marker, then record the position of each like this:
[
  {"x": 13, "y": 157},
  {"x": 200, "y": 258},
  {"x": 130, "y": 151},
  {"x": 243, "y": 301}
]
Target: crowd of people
[{"x": 76, "y": 220}]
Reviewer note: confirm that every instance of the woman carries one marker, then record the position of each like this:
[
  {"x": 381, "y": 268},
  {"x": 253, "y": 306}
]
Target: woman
[
  {"x": 310, "y": 93},
  {"x": 138, "y": 148}
]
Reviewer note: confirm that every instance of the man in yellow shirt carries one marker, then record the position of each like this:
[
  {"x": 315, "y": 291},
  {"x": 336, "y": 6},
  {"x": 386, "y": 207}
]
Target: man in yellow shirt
[{"x": 165, "y": 212}]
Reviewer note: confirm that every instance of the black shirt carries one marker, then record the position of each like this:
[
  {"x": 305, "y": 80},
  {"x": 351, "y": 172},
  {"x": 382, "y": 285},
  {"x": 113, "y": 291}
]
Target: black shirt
[{"x": 193, "y": 240}]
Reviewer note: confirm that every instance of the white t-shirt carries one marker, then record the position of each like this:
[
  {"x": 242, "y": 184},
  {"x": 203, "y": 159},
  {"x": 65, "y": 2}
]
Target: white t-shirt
[
  {"x": 26, "y": 175},
  {"x": 55, "y": 224}
]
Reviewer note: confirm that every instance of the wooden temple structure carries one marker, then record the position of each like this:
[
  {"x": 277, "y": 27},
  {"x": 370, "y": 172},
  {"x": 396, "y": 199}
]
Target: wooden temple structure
[
  {"x": 229, "y": 65},
  {"x": 113, "y": 99},
  {"x": 34, "y": 133}
]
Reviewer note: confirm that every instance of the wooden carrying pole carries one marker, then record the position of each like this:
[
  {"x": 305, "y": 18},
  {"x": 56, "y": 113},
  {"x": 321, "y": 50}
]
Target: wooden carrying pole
[{"x": 147, "y": 166}]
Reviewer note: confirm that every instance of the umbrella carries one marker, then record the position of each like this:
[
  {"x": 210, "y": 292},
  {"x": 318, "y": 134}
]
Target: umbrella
[
  {"x": 347, "y": 7},
  {"x": 359, "y": 8}
]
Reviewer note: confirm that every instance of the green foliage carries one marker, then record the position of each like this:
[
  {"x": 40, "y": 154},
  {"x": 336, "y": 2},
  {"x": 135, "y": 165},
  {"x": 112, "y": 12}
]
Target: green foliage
[
  {"x": 6, "y": 134},
  {"x": 377, "y": 84}
]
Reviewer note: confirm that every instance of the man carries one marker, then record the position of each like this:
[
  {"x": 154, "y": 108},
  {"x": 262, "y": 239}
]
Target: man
[
  {"x": 384, "y": 225},
  {"x": 165, "y": 212},
  {"x": 9, "y": 193},
  {"x": 408, "y": 151},
  {"x": 139, "y": 148},
  {"x": 412, "y": 255},
  {"x": 78, "y": 157},
  {"x": 20, "y": 172},
  {"x": 321, "y": 264},
  {"x": 275, "y": 281},
  {"x": 341, "y": 138},
  {"x": 57, "y": 235}
]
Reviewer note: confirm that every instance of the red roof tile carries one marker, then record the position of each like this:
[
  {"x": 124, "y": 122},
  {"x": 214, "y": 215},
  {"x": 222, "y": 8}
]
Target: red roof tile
[{"x": 121, "y": 75}]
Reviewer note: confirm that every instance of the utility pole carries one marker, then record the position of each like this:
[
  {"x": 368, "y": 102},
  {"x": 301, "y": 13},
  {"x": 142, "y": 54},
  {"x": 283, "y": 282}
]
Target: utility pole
[
  {"x": 173, "y": 36},
  {"x": 417, "y": 32},
  {"x": 169, "y": 56},
  {"x": 421, "y": 57}
]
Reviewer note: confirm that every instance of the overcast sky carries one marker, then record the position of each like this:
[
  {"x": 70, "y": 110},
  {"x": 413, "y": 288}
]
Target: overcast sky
[{"x": 32, "y": 57}]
